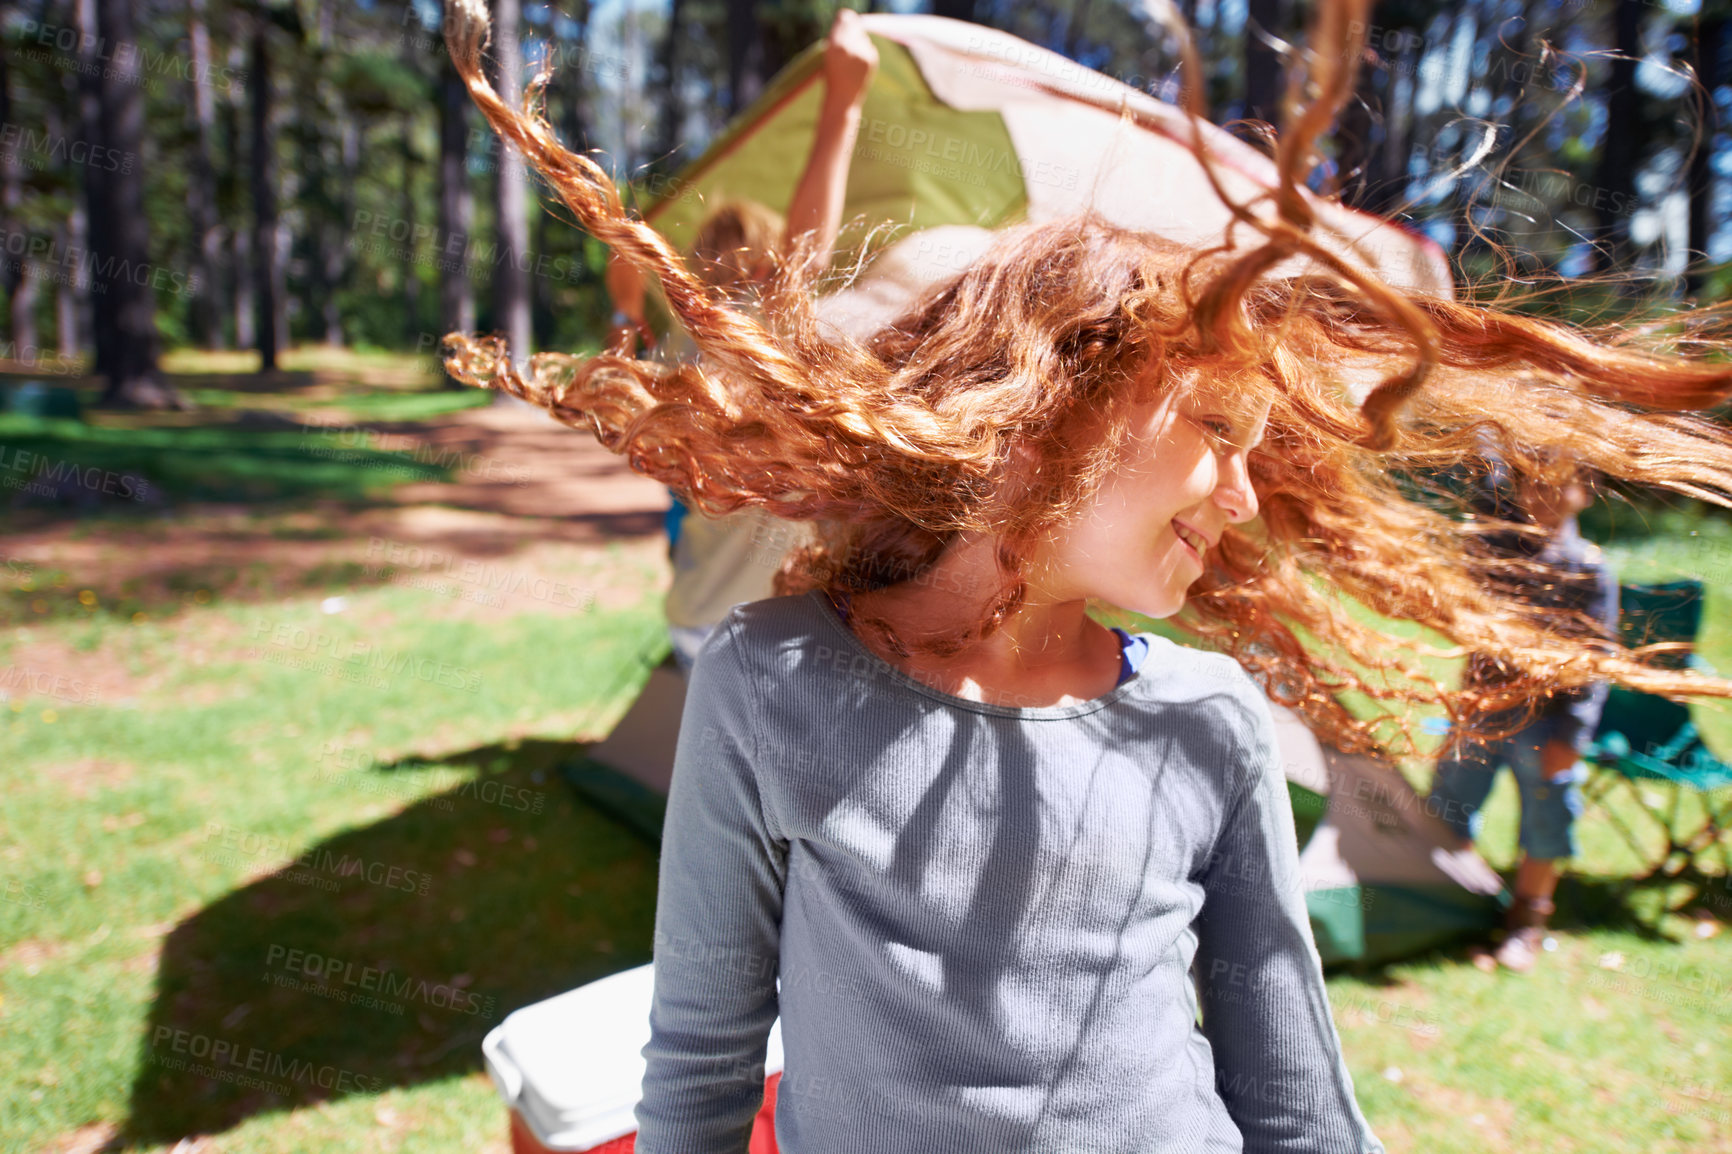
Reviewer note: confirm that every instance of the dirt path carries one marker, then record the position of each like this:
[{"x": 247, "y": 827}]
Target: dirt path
[{"x": 538, "y": 518}]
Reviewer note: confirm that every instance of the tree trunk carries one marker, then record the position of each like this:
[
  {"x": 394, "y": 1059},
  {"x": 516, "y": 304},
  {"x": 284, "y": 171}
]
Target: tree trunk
[
  {"x": 673, "y": 107},
  {"x": 123, "y": 272},
  {"x": 102, "y": 326},
  {"x": 267, "y": 267},
  {"x": 411, "y": 263},
  {"x": 1263, "y": 67},
  {"x": 207, "y": 327},
  {"x": 245, "y": 307},
  {"x": 1387, "y": 177},
  {"x": 234, "y": 196},
  {"x": 1710, "y": 41},
  {"x": 746, "y": 54},
  {"x": 456, "y": 291},
  {"x": 1353, "y": 135},
  {"x": 25, "y": 346},
  {"x": 510, "y": 263},
  {"x": 1079, "y": 14},
  {"x": 72, "y": 289},
  {"x": 1615, "y": 176},
  {"x": 20, "y": 285}
]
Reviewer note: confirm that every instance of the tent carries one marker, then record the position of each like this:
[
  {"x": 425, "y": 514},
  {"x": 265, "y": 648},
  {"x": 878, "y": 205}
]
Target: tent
[
  {"x": 1381, "y": 876},
  {"x": 966, "y": 129}
]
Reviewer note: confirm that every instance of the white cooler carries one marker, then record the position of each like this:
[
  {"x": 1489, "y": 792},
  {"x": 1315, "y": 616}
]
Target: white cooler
[{"x": 571, "y": 1068}]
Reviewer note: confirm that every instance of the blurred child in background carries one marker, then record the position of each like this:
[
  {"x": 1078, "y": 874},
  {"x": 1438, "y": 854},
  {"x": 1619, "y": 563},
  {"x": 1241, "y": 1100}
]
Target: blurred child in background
[{"x": 1571, "y": 577}]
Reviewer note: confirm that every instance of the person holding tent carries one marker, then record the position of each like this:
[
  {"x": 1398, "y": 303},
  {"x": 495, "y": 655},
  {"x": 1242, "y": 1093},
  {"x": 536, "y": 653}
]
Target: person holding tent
[
  {"x": 1012, "y": 881},
  {"x": 720, "y": 562},
  {"x": 1533, "y": 518}
]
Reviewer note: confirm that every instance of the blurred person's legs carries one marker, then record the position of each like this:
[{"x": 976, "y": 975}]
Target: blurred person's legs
[
  {"x": 1549, "y": 808},
  {"x": 1464, "y": 777}
]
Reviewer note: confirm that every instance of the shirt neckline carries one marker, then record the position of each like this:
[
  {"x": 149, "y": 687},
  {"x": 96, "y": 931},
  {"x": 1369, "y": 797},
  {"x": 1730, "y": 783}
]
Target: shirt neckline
[{"x": 1123, "y": 689}]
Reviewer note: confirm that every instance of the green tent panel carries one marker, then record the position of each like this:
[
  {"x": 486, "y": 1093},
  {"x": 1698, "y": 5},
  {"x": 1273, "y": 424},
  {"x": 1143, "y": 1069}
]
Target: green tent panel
[
  {"x": 1337, "y": 922},
  {"x": 918, "y": 163}
]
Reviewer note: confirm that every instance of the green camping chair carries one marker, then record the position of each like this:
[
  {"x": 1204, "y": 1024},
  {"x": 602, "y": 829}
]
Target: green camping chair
[{"x": 1643, "y": 738}]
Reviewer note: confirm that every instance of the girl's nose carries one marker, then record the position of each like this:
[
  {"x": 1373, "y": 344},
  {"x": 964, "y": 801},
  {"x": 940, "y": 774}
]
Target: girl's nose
[{"x": 1234, "y": 492}]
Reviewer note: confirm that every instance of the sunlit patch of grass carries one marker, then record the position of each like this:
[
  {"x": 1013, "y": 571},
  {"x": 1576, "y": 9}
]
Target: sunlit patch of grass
[{"x": 148, "y": 863}]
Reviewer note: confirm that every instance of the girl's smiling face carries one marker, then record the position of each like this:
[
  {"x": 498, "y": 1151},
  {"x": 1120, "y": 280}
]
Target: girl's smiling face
[{"x": 1184, "y": 478}]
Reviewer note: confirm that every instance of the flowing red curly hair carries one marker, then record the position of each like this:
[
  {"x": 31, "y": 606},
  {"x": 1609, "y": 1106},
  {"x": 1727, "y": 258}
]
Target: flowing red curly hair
[{"x": 961, "y": 417}]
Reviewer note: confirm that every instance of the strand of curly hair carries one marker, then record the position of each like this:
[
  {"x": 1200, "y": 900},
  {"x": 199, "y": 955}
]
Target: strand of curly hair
[{"x": 900, "y": 443}]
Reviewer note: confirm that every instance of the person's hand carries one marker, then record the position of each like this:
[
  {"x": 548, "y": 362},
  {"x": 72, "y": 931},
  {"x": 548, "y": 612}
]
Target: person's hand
[
  {"x": 1556, "y": 758},
  {"x": 625, "y": 285},
  {"x": 849, "y": 57}
]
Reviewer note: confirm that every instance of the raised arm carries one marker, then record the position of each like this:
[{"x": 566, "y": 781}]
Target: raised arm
[
  {"x": 849, "y": 62},
  {"x": 718, "y": 925},
  {"x": 1278, "y": 1063},
  {"x": 625, "y": 285}
]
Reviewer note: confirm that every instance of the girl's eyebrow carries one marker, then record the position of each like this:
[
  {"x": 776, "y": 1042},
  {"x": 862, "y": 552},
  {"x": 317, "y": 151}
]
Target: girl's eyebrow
[{"x": 1237, "y": 422}]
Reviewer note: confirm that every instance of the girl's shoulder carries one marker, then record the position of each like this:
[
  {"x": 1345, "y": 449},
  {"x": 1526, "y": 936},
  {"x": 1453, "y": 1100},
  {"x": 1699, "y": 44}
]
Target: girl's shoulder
[{"x": 1173, "y": 675}]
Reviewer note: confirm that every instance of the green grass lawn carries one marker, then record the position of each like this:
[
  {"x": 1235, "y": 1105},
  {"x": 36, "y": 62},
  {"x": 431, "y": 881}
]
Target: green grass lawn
[
  {"x": 372, "y": 783},
  {"x": 153, "y": 895}
]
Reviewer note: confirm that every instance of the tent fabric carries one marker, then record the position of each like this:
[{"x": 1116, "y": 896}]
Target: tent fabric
[
  {"x": 1088, "y": 139},
  {"x": 891, "y": 179},
  {"x": 965, "y": 129},
  {"x": 968, "y": 127},
  {"x": 1381, "y": 876}
]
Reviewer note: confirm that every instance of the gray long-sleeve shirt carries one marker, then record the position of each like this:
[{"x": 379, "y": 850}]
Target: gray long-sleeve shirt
[{"x": 984, "y": 928}]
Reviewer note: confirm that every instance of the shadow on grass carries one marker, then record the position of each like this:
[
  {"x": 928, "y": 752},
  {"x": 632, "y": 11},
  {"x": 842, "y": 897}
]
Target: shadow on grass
[
  {"x": 382, "y": 956},
  {"x": 1584, "y": 902},
  {"x": 60, "y": 462}
]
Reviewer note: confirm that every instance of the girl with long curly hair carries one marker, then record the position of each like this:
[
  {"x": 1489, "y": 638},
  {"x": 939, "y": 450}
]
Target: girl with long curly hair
[{"x": 1011, "y": 880}]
